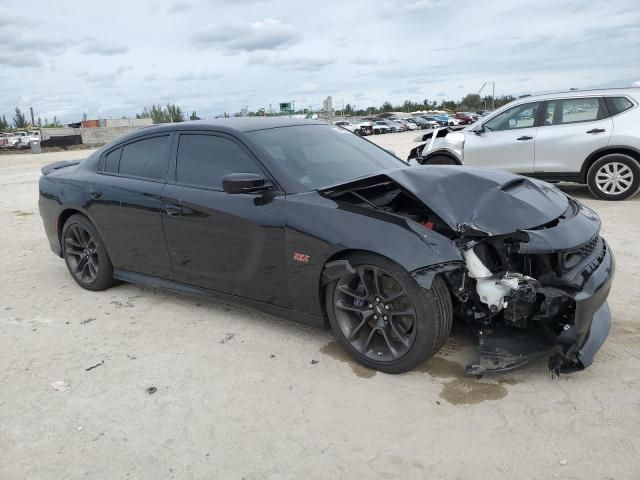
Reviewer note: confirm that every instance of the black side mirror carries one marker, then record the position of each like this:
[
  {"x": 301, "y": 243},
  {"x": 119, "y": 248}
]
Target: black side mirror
[{"x": 244, "y": 183}]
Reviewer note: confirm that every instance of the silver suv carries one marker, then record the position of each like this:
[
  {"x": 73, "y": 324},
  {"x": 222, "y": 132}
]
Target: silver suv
[{"x": 585, "y": 136}]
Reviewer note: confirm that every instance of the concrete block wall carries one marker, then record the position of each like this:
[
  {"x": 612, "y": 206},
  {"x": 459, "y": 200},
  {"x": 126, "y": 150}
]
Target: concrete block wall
[
  {"x": 102, "y": 135},
  {"x": 90, "y": 136}
]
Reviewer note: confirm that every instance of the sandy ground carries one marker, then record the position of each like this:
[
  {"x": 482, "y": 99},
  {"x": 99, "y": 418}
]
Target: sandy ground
[{"x": 240, "y": 394}]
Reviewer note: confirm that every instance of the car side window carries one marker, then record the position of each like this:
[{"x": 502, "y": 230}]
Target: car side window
[
  {"x": 112, "y": 160},
  {"x": 573, "y": 110},
  {"x": 520, "y": 116},
  {"x": 204, "y": 159},
  {"x": 617, "y": 105},
  {"x": 146, "y": 158}
]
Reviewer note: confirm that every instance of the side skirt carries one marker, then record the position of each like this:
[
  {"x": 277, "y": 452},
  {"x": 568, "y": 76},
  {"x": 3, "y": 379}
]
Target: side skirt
[{"x": 156, "y": 282}]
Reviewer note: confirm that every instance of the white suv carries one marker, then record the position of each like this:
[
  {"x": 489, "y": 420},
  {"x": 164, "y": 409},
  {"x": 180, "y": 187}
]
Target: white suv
[{"x": 590, "y": 137}]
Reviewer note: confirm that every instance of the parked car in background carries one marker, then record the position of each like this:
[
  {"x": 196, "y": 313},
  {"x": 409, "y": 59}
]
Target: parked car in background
[
  {"x": 466, "y": 118},
  {"x": 347, "y": 126},
  {"x": 418, "y": 121},
  {"x": 4, "y": 140},
  {"x": 409, "y": 125},
  {"x": 483, "y": 113},
  {"x": 364, "y": 128},
  {"x": 431, "y": 121},
  {"x": 402, "y": 125},
  {"x": 381, "y": 126},
  {"x": 583, "y": 136},
  {"x": 18, "y": 140},
  {"x": 392, "y": 124}
]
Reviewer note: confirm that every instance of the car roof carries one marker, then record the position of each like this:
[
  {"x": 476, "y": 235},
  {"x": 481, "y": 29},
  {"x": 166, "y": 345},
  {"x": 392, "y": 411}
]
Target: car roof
[
  {"x": 635, "y": 91},
  {"x": 226, "y": 125}
]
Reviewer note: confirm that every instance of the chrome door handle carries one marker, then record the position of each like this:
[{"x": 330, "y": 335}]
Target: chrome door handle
[
  {"x": 524, "y": 137},
  {"x": 596, "y": 130}
]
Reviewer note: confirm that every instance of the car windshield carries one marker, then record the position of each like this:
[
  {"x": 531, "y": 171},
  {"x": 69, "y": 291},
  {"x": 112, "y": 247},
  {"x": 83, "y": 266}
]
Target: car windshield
[{"x": 316, "y": 156}]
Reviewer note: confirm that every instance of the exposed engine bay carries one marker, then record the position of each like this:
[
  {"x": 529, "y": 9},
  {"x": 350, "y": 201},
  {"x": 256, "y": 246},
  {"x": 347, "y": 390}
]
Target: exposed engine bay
[{"x": 530, "y": 284}]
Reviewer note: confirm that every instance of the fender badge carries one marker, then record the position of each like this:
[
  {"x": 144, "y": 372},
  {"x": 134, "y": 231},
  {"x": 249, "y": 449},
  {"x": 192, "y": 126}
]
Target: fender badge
[{"x": 300, "y": 257}]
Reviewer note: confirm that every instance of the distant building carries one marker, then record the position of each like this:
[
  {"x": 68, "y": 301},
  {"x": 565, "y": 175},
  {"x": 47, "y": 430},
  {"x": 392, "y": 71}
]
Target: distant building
[
  {"x": 327, "y": 105},
  {"x": 117, "y": 122}
]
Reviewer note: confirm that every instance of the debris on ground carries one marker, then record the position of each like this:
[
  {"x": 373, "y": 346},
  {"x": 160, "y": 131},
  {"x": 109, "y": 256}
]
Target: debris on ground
[
  {"x": 272, "y": 355},
  {"x": 313, "y": 362},
  {"x": 61, "y": 385},
  {"x": 122, "y": 305},
  {"x": 227, "y": 337},
  {"x": 94, "y": 366},
  {"x": 87, "y": 320},
  {"x": 131, "y": 357},
  {"x": 151, "y": 390},
  {"x": 564, "y": 461}
]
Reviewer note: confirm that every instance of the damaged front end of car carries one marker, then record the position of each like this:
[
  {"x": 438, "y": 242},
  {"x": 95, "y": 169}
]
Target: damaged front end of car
[{"x": 536, "y": 272}]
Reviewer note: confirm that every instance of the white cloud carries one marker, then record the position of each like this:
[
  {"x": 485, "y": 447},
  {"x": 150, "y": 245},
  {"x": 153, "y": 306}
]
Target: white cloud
[
  {"x": 267, "y": 34},
  {"x": 218, "y": 55}
]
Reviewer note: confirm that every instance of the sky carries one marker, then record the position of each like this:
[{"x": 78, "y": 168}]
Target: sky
[{"x": 112, "y": 58}]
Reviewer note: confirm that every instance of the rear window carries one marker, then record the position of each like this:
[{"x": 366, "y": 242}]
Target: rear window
[
  {"x": 573, "y": 110},
  {"x": 146, "y": 158},
  {"x": 617, "y": 105},
  {"x": 111, "y": 161}
]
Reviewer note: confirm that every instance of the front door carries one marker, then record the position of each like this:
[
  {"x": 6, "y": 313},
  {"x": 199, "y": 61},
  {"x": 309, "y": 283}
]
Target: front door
[
  {"x": 232, "y": 243},
  {"x": 507, "y": 141}
]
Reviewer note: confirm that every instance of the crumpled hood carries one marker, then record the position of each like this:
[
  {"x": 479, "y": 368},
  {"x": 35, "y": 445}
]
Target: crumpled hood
[{"x": 491, "y": 201}]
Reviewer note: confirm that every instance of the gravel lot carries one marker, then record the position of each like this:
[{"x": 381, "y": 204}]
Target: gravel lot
[{"x": 240, "y": 394}]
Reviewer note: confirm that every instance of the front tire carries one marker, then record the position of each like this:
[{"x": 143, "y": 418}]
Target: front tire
[
  {"x": 85, "y": 254},
  {"x": 440, "y": 160},
  {"x": 383, "y": 318},
  {"x": 615, "y": 176}
]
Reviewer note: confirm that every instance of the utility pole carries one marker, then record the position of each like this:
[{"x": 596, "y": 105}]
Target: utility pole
[
  {"x": 32, "y": 120},
  {"x": 493, "y": 97}
]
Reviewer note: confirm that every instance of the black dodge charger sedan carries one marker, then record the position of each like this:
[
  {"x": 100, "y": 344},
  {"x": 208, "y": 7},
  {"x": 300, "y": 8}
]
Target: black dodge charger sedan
[{"x": 308, "y": 221}]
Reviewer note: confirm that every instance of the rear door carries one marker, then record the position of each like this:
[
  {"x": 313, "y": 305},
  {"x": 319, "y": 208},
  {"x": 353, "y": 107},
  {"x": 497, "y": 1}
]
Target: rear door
[
  {"x": 232, "y": 243},
  {"x": 507, "y": 141},
  {"x": 571, "y": 130},
  {"x": 125, "y": 205}
]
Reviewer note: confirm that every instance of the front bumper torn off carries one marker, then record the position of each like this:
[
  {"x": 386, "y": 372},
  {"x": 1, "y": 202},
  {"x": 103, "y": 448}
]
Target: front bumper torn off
[{"x": 504, "y": 349}]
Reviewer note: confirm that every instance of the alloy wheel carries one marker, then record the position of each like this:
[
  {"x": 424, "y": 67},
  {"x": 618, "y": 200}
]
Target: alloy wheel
[
  {"x": 81, "y": 253},
  {"x": 375, "y": 313},
  {"x": 614, "y": 178}
]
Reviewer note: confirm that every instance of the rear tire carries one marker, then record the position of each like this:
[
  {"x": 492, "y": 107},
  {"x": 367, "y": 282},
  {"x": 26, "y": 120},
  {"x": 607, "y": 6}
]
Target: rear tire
[
  {"x": 615, "y": 176},
  {"x": 85, "y": 254},
  {"x": 416, "y": 321}
]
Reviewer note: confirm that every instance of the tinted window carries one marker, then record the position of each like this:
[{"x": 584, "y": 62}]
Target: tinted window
[
  {"x": 204, "y": 159},
  {"x": 316, "y": 156},
  {"x": 618, "y": 105},
  {"x": 111, "y": 161},
  {"x": 520, "y": 116},
  {"x": 145, "y": 158},
  {"x": 573, "y": 110}
]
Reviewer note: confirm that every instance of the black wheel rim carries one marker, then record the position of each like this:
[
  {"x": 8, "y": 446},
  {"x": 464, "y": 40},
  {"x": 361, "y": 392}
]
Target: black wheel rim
[
  {"x": 375, "y": 313},
  {"x": 81, "y": 253}
]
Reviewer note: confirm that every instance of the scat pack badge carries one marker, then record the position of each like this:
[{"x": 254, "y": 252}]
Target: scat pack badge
[{"x": 300, "y": 257}]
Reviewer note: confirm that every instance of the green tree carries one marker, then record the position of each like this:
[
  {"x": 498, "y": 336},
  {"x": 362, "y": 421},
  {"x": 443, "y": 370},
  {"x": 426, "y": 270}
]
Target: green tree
[
  {"x": 19, "y": 120},
  {"x": 159, "y": 114},
  {"x": 386, "y": 107},
  {"x": 4, "y": 125},
  {"x": 471, "y": 102},
  {"x": 174, "y": 113}
]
